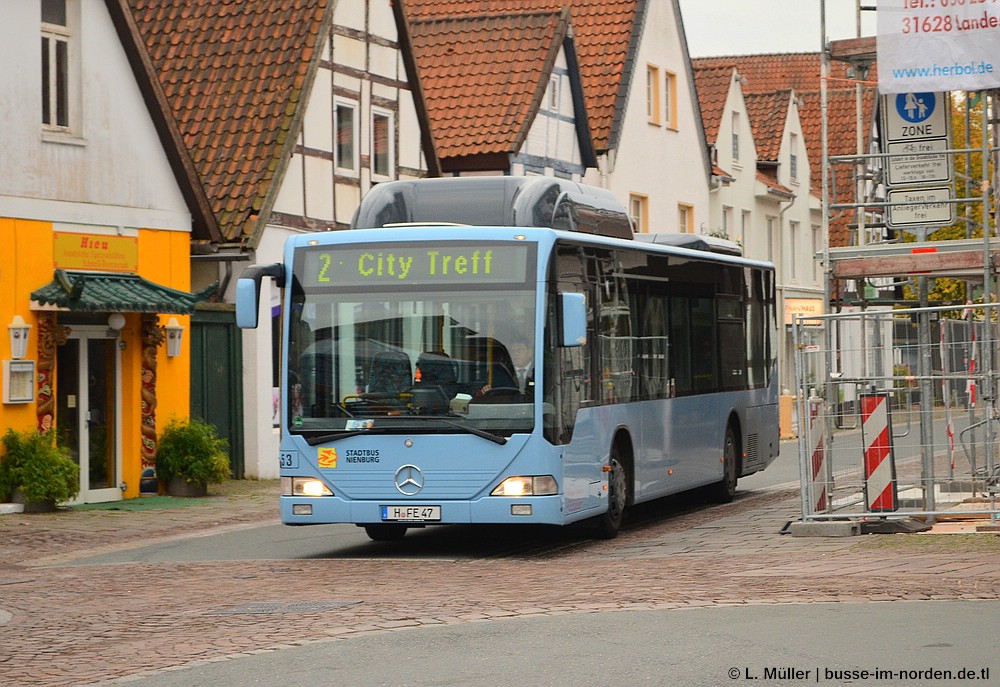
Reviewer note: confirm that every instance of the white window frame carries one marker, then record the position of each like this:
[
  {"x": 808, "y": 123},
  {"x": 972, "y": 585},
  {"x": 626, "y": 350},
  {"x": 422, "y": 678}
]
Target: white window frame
[
  {"x": 354, "y": 169},
  {"x": 670, "y": 100},
  {"x": 389, "y": 116},
  {"x": 56, "y": 35},
  {"x": 793, "y": 156},
  {"x": 793, "y": 249},
  {"x": 653, "y": 107},
  {"x": 554, "y": 93},
  {"x": 735, "y": 133},
  {"x": 638, "y": 206},
  {"x": 685, "y": 218}
]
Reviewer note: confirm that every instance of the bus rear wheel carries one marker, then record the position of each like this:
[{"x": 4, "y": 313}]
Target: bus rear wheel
[
  {"x": 608, "y": 525},
  {"x": 385, "y": 532},
  {"x": 724, "y": 491}
]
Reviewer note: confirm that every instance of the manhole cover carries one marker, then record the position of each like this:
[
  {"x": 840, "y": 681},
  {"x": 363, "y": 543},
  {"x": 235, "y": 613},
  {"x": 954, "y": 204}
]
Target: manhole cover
[{"x": 272, "y": 607}]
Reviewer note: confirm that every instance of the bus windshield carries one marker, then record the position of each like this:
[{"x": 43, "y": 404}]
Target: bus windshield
[{"x": 428, "y": 353}]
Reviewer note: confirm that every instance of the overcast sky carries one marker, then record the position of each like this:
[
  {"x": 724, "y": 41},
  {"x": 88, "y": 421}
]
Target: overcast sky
[{"x": 747, "y": 27}]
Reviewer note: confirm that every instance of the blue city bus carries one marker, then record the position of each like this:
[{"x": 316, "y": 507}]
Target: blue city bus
[{"x": 649, "y": 366}]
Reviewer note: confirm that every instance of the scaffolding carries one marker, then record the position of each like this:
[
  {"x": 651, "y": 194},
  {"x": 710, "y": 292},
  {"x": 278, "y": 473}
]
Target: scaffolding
[{"x": 883, "y": 276}]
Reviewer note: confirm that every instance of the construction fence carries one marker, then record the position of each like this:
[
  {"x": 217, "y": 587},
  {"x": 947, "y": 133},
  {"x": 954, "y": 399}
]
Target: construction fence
[{"x": 897, "y": 414}]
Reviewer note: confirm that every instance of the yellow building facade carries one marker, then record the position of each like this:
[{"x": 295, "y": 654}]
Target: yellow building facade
[{"x": 96, "y": 306}]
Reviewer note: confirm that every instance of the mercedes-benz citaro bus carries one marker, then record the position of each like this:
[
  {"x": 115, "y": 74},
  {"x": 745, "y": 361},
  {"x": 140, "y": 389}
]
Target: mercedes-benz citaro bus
[{"x": 504, "y": 350}]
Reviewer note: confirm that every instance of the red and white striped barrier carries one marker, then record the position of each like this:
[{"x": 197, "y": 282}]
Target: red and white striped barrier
[
  {"x": 819, "y": 503},
  {"x": 880, "y": 464}
]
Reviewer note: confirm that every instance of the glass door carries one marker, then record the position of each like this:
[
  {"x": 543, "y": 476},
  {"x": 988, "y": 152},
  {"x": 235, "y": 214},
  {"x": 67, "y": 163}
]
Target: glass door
[{"x": 88, "y": 416}]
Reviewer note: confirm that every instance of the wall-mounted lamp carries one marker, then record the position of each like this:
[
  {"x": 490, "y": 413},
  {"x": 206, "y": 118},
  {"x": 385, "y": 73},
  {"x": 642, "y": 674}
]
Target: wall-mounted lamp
[
  {"x": 19, "y": 330},
  {"x": 175, "y": 334},
  {"x": 116, "y": 321}
]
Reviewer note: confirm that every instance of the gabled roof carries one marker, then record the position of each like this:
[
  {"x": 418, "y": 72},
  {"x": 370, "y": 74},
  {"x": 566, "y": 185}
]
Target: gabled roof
[
  {"x": 769, "y": 72},
  {"x": 713, "y": 85},
  {"x": 606, "y": 34},
  {"x": 801, "y": 72},
  {"x": 484, "y": 77},
  {"x": 234, "y": 73},
  {"x": 767, "y": 113},
  {"x": 203, "y": 224}
]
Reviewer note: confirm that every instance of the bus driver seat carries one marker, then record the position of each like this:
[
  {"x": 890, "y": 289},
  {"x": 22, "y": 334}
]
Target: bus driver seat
[{"x": 390, "y": 373}]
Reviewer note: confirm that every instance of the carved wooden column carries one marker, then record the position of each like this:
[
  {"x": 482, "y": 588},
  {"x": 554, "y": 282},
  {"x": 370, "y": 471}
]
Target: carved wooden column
[
  {"x": 152, "y": 337},
  {"x": 50, "y": 335}
]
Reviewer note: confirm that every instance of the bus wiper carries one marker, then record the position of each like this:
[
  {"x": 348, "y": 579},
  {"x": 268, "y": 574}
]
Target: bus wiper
[
  {"x": 315, "y": 439},
  {"x": 489, "y": 436}
]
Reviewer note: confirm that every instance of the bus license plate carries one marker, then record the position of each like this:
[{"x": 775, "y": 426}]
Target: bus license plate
[{"x": 411, "y": 513}]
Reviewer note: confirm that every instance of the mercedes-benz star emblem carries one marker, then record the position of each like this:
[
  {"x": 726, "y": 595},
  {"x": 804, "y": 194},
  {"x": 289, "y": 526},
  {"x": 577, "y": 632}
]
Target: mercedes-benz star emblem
[{"x": 409, "y": 480}]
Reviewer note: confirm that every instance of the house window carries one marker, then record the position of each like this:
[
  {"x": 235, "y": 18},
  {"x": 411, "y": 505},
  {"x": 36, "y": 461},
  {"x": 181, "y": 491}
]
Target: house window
[
  {"x": 793, "y": 249},
  {"x": 653, "y": 94},
  {"x": 638, "y": 206},
  {"x": 744, "y": 227},
  {"x": 727, "y": 220},
  {"x": 382, "y": 148},
  {"x": 554, "y": 93},
  {"x": 346, "y": 147},
  {"x": 816, "y": 248},
  {"x": 685, "y": 218},
  {"x": 55, "y": 64},
  {"x": 736, "y": 136},
  {"x": 772, "y": 239},
  {"x": 793, "y": 156},
  {"x": 670, "y": 102}
]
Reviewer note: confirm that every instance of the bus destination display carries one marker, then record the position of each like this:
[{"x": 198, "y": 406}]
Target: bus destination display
[{"x": 416, "y": 264}]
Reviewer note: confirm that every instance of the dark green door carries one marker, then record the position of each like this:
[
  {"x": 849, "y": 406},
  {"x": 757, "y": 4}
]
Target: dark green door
[{"x": 216, "y": 378}]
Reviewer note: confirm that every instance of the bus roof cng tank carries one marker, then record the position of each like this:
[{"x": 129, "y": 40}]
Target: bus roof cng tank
[
  {"x": 712, "y": 244},
  {"x": 505, "y": 201}
]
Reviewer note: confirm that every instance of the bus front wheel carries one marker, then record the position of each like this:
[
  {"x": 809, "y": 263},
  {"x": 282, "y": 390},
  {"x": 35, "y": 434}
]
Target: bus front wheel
[{"x": 608, "y": 525}]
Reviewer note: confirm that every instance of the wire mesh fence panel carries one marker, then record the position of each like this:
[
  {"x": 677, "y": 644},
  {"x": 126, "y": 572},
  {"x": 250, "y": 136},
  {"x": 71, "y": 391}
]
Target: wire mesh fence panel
[{"x": 897, "y": 413}]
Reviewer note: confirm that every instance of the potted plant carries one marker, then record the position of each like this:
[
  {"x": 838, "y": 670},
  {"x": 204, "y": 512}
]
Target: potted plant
[
  {"x": 36, "y": 471},
  {"x": 189, "y": 455}
]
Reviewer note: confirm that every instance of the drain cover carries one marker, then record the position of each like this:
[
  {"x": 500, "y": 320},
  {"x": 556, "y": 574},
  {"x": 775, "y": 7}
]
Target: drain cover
[{"x": 272, "y": 607}]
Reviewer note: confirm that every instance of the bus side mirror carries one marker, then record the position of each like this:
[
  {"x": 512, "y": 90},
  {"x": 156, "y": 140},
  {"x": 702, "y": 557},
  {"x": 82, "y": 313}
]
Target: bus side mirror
[
  {"x": 248, "y": 292},
  {"x": 574, "y": 319}
]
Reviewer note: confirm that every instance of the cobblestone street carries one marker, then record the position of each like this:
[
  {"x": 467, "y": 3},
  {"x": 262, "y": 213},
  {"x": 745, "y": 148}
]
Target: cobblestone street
[{"x": 89, "y": 624}]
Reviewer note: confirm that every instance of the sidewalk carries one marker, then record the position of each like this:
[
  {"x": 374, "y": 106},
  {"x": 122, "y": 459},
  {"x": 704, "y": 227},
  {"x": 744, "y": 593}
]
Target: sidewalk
[{"x": 49, "y": 538}]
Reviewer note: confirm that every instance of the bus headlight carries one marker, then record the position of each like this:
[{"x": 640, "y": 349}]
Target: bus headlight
[
  {"x": 532, "y": 485},
  {"x": 304, "y": 486}
]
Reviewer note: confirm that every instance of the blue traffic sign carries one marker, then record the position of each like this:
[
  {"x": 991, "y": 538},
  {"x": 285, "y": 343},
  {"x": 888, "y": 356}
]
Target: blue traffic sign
[{"x": 915, "y": 107}]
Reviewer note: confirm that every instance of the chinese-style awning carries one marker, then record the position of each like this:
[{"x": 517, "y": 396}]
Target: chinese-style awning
[{"x": 115, "y": 292}]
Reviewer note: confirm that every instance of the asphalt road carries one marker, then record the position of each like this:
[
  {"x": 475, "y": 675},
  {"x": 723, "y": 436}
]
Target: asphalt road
[{"x": 828, "y": 644}]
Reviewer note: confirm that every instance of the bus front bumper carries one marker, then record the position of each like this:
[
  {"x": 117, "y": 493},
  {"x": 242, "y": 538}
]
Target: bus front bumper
[{"x": 493, "y": 510}]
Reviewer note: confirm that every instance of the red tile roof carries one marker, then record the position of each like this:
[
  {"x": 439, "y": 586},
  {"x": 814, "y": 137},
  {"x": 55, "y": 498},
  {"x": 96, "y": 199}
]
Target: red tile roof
[
  {"x": 712, "y": 85},
  {"x": 484, "y": 77},
  {"x": 767, "y": 113},
  {"x": 234, "y": 73},
  {"x": 801, "y": 72},
  {"x": 603, "y": 34}
]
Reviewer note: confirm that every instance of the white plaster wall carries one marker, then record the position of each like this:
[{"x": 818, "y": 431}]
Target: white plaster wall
[
  {"x": 668, "y": 166},
  {"x": 552, "y": 135},
  {"x": 261, "y": 438},
  {"x": 113, "y": 164}
]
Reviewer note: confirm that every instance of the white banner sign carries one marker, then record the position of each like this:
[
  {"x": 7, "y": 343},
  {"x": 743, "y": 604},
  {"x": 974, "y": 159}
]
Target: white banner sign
[{"x": 938, "y": 45}]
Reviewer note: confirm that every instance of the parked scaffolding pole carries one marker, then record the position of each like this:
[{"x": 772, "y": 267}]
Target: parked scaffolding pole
[
  {"x": 924, "y": 371},
  {"x": 989, "y": 391}
]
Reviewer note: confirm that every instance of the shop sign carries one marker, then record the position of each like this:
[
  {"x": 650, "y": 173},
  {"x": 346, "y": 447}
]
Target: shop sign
[
  {"x": 99, "y": 252},
  {"x": 802, "y": 307}
]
